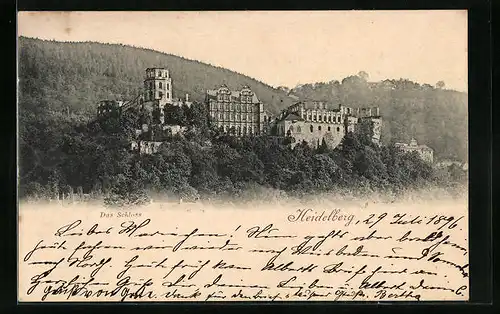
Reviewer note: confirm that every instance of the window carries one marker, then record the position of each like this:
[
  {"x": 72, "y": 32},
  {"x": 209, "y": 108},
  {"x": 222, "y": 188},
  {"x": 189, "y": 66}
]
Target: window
[
  {"x": 160, "y": 94},
  {"x": 168, "y": 95},
  {"x": 299, "y": 129},
  {"x": 328, "y": 129},
  {"x": 338, "y": 119},
  {"x": 311, "y": 128},
  {"x": 314, "y": 118},
  {"x": 319, "y": 127},
  {"x": 324, "y": 118},
  {"x": 319, "y": 118},
  {"x": 338, "y": 129},
  {"x": 168, "y": 86},
  {"x": 309, "y": 117},
  {"x": 330, "y": 119},
  {"x": 160, "y": 85},
  {"x": 291, "y": 128}
]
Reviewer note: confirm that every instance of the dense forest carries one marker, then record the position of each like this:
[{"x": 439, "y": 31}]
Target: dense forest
[
  {"x": 95, "y": 158},
  {"x": 78, "y": 75},
  {"x": 60, "y": 149}
]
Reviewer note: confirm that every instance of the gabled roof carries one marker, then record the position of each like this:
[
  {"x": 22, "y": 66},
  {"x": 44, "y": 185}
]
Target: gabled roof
[{"x": 234, "y": 94}]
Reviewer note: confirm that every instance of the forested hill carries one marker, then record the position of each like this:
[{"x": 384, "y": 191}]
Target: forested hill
[
  {"x": 59, "y": 77},
  {"x": 435, "y": 116},
  {"x": 78, "y": 75}
]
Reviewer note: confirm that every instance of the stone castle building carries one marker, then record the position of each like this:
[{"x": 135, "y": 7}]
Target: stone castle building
[
  {"x": 158, "y": 86},
  {"x": 424, "y": 151},
  {"x": 150, "y": 104},
  {"x": 315, "y": 121},
  {"x": 156, "y": 94},
  {"x": 237, "y": 113}
]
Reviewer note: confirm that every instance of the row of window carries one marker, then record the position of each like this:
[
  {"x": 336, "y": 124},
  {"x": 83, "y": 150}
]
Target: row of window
[
  {"x": 237, "y": 116},
  {"x": 227, "y": 98},
  {"x": 151, "y": 85},
  {"x": 160, "y": 95},
  {"x": 324, "y": 118},
  {"x": 311, "y": 129},
  {"x": 238, "y": 130},
  {"x": 160, "y": 85},
  {"x": 231, "y": 106},
  {"x": 153, "y": 73}
]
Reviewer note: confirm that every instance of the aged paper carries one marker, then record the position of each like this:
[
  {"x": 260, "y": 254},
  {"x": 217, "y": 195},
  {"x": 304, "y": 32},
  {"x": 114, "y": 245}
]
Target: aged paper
[
  {"x": 243, "y": 156},
  {"x": 198, "y": 253}
]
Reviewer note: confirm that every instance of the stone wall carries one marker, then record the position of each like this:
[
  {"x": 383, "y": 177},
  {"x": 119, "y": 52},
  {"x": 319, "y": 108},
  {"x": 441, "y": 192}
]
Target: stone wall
[{"x": 312, "y": 132}]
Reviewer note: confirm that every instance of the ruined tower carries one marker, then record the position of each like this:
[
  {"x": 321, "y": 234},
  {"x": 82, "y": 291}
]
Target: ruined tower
[{"x": 158, "y": 86}]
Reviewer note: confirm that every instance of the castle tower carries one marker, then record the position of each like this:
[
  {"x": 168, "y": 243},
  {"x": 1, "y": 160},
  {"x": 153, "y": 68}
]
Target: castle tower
[{"x": 158, "y": 86}]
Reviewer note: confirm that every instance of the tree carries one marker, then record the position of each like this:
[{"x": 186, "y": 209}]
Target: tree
[
  {"x": 363, "y": 75},
  {"x": 440, "y": 84}
]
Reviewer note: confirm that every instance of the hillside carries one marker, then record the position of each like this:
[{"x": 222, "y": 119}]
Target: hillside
[
  {"x": 61, "y": 78},
  {"x": 78, "y": 75},
  {"x": 436, "y": 117}
]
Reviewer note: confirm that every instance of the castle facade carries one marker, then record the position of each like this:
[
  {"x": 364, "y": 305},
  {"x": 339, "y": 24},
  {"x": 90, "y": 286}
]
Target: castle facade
[
  {"x": 315, "y": 121},
  {"x": 237, "y": 112},
  {"x": 425, "y": 152}
]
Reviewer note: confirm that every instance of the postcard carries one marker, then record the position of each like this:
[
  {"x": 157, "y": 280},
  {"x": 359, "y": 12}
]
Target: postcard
[{"x": 243, "y": 156}]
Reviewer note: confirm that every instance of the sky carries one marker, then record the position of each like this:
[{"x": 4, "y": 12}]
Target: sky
[{"x": 283, "y": 48}]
